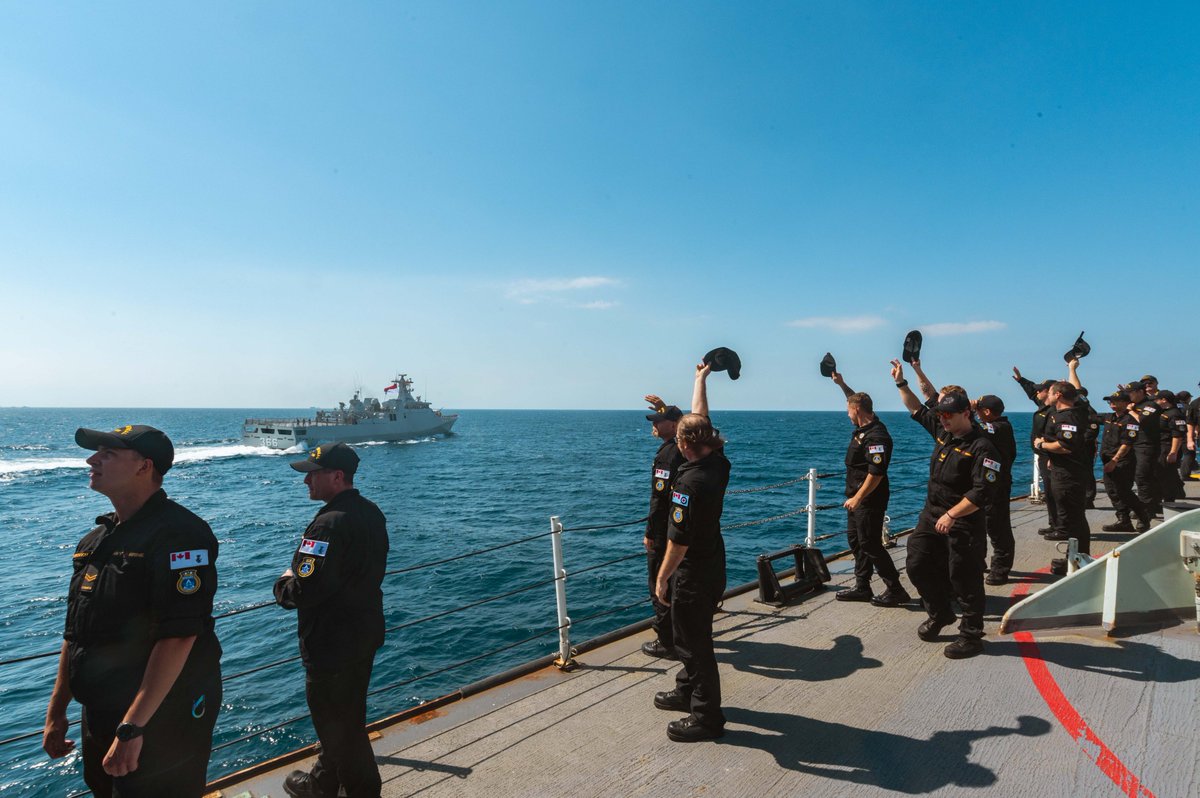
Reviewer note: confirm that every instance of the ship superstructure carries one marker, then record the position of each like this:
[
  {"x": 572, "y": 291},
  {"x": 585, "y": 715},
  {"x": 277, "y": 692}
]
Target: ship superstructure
[{"x": 399, "y": 418}]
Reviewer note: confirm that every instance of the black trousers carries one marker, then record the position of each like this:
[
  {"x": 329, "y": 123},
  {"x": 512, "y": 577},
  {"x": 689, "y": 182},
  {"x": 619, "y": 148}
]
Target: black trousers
[
  {"x": 864, "y": 530},
  {"x": 1118, "y": 483},
  {"x": 945, "y": 567},
  {"x": 1187, "y": 462},
  {"x": 176, "y": 746},
  {"x": 1145, "y": 476},
  {"x": 1170, "y": 486},
  {"x": 1071, "y": 498},
  {"x": 1048, "y": 493},
  {"x": 338, "y": 701},
  {"x": 697, "y": 591},
  {"x": 998, "y": 523},
  {"x": 1089, "y": 488},
  {"x": 662, "y": 612}
]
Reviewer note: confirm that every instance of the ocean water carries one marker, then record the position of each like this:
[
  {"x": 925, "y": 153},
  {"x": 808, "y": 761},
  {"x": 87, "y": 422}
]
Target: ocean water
[{"x": 499, "y": 478}]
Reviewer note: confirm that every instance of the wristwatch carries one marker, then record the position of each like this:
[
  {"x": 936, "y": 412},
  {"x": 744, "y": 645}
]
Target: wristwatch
[{"x": 128, "y": 731}]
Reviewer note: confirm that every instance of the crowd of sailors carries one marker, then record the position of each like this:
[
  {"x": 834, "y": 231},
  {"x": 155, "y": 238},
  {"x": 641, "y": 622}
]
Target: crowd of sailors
[
  {"x": 1147, "y": 447},
  {"x": 141, "y": 656}
]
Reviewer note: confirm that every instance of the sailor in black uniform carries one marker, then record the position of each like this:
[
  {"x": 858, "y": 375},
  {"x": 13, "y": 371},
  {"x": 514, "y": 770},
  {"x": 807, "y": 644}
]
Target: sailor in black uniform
[
  {"x": 1172, "y": 431},
  {"x": 140, "y": 653},
  {"x": 1192, "y": 415},
  {"x": 1038, "y": 393},
  {"x": 1146, "y": 447},
  {"x": 1063, "y": 441},
  {"x": 867, "y": 458},
  {"x": 1121, "y": 430},
  {"x": 989, "y": 409},
  {"x": 334, "y": 583},
  {"x": 946, "y": 552},
  {"x": 692, "y": 576},
  {"x": 667, "y": 461}
]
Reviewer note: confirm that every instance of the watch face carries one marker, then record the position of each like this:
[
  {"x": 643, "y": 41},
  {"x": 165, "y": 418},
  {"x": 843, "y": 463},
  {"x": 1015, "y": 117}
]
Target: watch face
[{"x": 127, "y": 731}]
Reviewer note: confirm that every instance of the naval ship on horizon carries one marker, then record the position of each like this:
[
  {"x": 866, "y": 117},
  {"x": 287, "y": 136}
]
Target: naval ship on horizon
[{"x": 401, "y": 418}]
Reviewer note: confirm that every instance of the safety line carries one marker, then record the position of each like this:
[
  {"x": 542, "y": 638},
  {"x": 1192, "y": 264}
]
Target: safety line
[{"x": 1070, "y": 718}]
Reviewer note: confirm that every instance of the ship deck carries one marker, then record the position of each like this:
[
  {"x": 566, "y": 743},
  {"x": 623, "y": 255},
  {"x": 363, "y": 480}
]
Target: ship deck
[{"x": 826, "y": 698}]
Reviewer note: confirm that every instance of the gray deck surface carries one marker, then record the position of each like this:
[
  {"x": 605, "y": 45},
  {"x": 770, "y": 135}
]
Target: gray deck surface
[{"x": 829, "y": 699}]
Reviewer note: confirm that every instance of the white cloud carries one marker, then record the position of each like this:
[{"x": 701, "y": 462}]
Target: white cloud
[
  {"x": 961, "y": 327},
  {"x": 599, "y": 304},
  {"x": 557, "y": 286},
  {"x": 841, "y": 324}
]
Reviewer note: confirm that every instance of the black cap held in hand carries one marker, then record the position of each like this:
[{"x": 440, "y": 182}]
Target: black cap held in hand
[
  {"x": 912, "y": 347},
  {"x": 338, "y": 457},
  {"x": 724, "y": 359},
  {"x": 1080, "y": 348},
  {"x": 149, "y": 442},
  {"x": 828, "y": 365}
]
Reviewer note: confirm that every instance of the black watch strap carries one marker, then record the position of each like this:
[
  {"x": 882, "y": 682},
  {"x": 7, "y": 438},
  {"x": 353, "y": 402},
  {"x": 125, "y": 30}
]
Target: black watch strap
[{"x": 128, "y": 731}]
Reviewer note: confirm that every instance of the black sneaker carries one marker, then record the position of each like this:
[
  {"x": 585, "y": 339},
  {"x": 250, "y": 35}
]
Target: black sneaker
[
  {"x": 655, "y": 648},
  {"x": 300, "y": 784},
  {"x": 996, "y": 578},
  {"x": 964, "y": 648},
  {"x": 690, "y": 730},
  {"x": 857, "y": 594},
  {"x": 1120, "y": 525},
  {"x": 932, "y": 627},
  {"x": 891, "y": 598},
  {"x": 1057, "y": 536},
  {"x": 673, "y": 700}
]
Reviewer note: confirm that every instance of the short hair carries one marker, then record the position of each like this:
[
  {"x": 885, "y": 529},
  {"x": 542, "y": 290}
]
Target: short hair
[
  {"x": 698, "y": 430},
  {"x": 1066, "y": 390},
  {"x": 862, "y": 400},
  {"x": 953, "y": 389}
]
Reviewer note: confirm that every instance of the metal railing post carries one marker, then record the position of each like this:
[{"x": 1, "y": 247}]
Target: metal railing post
[
  {"x": 1035, "y": 489},
  {"x": 811, "y": 540},
  {"x": 888, "y": 542},
  {"x": 564, "y": 660}
]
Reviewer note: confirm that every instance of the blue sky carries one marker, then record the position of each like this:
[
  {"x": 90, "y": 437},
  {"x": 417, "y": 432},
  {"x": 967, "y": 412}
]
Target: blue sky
[{"x": 264, "y": 204}]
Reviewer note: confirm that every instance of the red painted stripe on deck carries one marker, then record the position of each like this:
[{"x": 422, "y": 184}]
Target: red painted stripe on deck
[{"x": 1093, "y": 747}]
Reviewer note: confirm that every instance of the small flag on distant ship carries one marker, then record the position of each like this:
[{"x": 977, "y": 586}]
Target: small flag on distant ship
[{"x": 391, "y": 387}]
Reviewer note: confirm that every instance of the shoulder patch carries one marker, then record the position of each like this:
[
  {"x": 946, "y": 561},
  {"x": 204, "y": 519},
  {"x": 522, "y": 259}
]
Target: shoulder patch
[
  {"x": 990, "y": 463},
  {"x": 317, "y": 548},
  {"x": 677, "y": 515},
  {"x": 195, "y": 558},
  {"x": 680, "y": 498},
  {"x": 1068, "y": 427},
  {"x": 307, "y": 566},
  {"x": 987, "y": 425},
  {"x": 188, "y": 582},
  {"x": 662, "y": 473},
  {"x": 878, "y": 448}
]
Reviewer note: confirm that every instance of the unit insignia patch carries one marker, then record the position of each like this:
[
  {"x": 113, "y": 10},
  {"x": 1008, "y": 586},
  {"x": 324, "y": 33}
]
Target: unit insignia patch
[
  {"x": 307, "y": 566},
  {"x": 677, "y": 515},
  {"x": 188, "y": 582},
  {"x": 659, "y": 485}
]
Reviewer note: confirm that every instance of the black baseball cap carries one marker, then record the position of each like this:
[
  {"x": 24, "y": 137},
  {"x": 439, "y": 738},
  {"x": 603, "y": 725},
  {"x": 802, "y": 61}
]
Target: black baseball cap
[
  {"x": 1135, "y": 385},
  {"x": 990, "y": 401},
  {"x": 338, "y": 457},
  {"x": 1117, "y": 396},
  {"x": 724, "y": 359},
  {"x": 1044, "y": 385},
  {"x": 952, "y": 403},
  {"x": 1149, "y": 378},
  {"x": 1168, "y": 396},
  {"x": 151, "y": 443},
  {"x": 668, "y": 413}
]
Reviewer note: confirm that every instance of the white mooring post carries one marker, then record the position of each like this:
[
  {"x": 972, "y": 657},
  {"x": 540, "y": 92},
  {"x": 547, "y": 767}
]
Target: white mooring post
[
  {"x": 564, "y": 660},
  {"x": 811, "y": 540},
  {"x": 1035, "y": 489}
]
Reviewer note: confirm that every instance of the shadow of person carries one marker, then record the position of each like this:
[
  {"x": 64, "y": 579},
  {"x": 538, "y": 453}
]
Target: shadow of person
[
  {"x": 1126, "y": 659},
  {"x": 863, "y": 756},
  {"x": 783, "y": 661}
]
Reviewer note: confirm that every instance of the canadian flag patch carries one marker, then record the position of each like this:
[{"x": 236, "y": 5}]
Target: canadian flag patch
[
  {"x": 317, "y": 548},
  {"x": 189, "y": 559}
]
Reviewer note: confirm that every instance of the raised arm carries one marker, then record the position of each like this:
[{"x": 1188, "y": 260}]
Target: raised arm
[
  {"x": 1072, "y": 372},
  {"x": 911, "y": 402},
  {"x": 927, "y": 389},
  {"x": 841, "y": 383},
  {"x": 700, "y": 390}
]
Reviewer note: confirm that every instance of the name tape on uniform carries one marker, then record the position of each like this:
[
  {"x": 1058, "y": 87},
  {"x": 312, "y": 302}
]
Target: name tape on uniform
[
  {"x": 189, "y": 559},
  {"x": 679, "y": 498},
  {"x": 317, "y": 548}
]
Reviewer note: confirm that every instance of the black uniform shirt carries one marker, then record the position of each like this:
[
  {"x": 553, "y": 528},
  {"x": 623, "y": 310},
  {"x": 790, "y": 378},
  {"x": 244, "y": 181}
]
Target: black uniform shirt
[
  {"x": 666, "y": 465},
  {"x": 1193, "y": 413},
  {"x": 1171, "y": 425},
  {"x": 148, "y": 577},
  {"x": 1000, "y": 433},
  {"x": 1069, "y": 429},
  {"x": 697, "y": 499},
  {"x": 1147, "y": 414},
  {"x": 1119, "y": 429},
  {"x": 869, "y": 452},
  {"x": 1092, "y": 419},
  {"x": 335, "y": 587},
  {"x": 960, "y": 468}
]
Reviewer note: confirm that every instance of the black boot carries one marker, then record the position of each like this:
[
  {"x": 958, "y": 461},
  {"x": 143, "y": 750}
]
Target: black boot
[{"x": 1122, "y": 524}]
